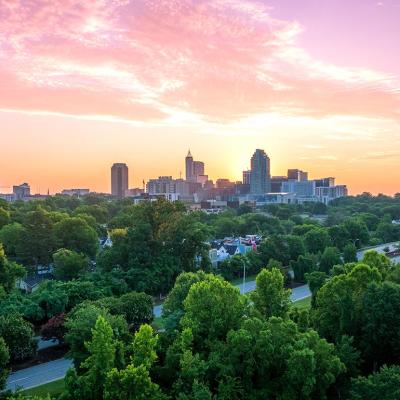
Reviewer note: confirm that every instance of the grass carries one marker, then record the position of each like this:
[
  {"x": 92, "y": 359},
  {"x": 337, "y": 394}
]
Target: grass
[
  {"x": 53, "y": 389},
  {"x": 303, "y": 303},
  {"x": 239, "y": 281}
]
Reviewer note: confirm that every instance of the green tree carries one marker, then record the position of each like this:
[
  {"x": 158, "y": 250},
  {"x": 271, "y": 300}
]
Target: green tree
[
  {"x": 75, "y": 234},
  {"x": 4, "y": 217},
  {"x": 296, "y": 246},
  {"x": 316, "y": 240},
  {"x": 383, "y": 385},
  {"x": 301, "y": 267},
  {"x": 100, "y": 361},
  {"x": 329, "y": 258},
  {"x": 377, "y": 260},
  {"x": 338, "y": 309},
  {"x": 212, "y": 308},
  {"x": 270, "y": 297},
  {"x": 79, "y": 330},
  {"x": 381, "y": 324},
  {"x": 4, "y": 358},
  {"x": 134, "y": 382},
  {"x": 350, "y": 253},
  {"x": 358, "y": 231},
  {"x": 315, "y": 280},
  {"x": 38, "y": 242},
  {"x": 68, "y": 264},
  {"x": 18, "y": 336},
  {"x": 339, "y": 236},
  {"x": 9, "y": 272},
  {"x": 12, "y": 236}
]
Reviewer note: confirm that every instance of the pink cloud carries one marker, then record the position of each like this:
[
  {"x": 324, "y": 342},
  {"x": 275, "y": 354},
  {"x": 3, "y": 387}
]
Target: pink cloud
[{"x": 222, "y": 59}]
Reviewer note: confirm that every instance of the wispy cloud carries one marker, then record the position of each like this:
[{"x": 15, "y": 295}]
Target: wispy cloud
[{"x": 156, "y": 60}]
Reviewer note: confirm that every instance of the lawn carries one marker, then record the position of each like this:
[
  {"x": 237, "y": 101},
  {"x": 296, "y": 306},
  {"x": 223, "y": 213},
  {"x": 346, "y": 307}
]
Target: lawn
[
  {"x": 303, "y": 303},
  {"x": 53, "y": 389}
]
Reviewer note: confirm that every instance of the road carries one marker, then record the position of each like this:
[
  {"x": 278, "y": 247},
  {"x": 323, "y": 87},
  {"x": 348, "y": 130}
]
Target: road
[
  {"x": 54, "y": 370},
  {"x": 39, "y": 374}
]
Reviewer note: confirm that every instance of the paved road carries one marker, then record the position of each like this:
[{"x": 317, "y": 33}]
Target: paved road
[
  {"x": 54, "y": 370},
  {"x": 39, "y": 374}
]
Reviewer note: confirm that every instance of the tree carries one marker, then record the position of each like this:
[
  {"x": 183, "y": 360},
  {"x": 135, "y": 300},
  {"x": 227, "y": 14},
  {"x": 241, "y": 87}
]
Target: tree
[
  {"x": 382, "y": 385},
  {"x": 100, "y": 361},
  {"x": 68, "y": 264},
  {"x": 339, "y": 236},
  {"x": 358, "y": 231},
  {"x": 329, "y": 258},
  {"x": 134, "y": 382},
  {"x": 9, "y": 272},
  {"x": 212, "y": 308},
  {"x": 136, "y": 308},
  {"x": 377, "y": 260},
  {"x": 316, "y": 240},
  {"x": 11, "y": 236},
  {"x": 315, "y": 281},
  {"x": 4, "y": 217},
  {"x": 4, "y": 358},
  {"x": 54, "y": 328},
  {"x": 296, "y": 246},
  {"x": 338, "y": 308},
  {"x": 79, "y": 330},
  {"x": 173, "y": 308},
  {"x": 18, "y": 336},
  {"x": 381, "y": 324},
  {"x": 270, "y": 297},
  {"x": 301, "y": 267},
  {"x": 76, "y": 234},
  {"x": 38, "y": 242},
  {"x": 350, "y": 253}
]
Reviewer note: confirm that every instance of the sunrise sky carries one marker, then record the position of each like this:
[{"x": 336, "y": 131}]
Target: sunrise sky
[{"x": 84, "y": 84}]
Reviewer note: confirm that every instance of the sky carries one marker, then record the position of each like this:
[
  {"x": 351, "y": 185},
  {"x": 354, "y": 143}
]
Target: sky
[{"x": 84, "y": 84}]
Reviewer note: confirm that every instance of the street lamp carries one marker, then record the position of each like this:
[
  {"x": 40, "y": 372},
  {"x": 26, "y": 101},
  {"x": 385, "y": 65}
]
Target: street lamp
[{"x": 244, "y": 276}]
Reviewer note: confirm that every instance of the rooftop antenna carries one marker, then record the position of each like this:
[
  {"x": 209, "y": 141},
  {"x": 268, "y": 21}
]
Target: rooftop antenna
[{"x": 180, "y": 174}]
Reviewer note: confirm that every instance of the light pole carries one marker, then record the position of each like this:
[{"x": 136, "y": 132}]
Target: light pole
[{"x": 244, "y": 276}]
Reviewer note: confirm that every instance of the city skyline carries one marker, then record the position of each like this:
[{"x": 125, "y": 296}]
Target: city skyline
[{"x": 295, "y": 78}]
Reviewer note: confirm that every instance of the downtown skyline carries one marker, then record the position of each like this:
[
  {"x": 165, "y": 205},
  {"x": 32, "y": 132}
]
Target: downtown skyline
[{"x": 220, "y": 77}]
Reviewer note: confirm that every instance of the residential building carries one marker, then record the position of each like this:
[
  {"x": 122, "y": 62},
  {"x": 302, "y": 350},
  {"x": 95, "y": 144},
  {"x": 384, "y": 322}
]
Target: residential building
[
  {"x": 246, "y": 177},
  {"x": 119, "y": 180}
]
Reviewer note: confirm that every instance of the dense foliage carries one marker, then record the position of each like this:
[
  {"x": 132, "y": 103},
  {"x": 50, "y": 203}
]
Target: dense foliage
[{"x": 215, "y": 343}]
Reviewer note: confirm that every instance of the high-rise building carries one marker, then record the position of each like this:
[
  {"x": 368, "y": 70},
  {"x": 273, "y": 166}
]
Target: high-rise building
[
  {"x": 189, "y": 166},
  {"x": 198, "y": 169},
  {"x": 21, "y": 191},
  {"x": 297, "y": 175},
  {"x": 260, "y": 181},
  {"x": 246, "y": 177},
  {"x": 325, "y": 182},
  {"x": 119, "y": 180}
]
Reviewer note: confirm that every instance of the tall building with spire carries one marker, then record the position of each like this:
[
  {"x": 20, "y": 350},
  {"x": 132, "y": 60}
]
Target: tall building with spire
[
  {"x": 189, "y": 166},
  {"x": 260, "y": 177},
  {"x": 119, "y": 180}
]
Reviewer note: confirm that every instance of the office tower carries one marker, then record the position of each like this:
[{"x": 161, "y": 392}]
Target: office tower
[
  {"x": 21, "y": 191},
  {"x": 260, "y": 182},
  {"x": 198, "y": 169},
  {"x": 246, "y": 177},
  {"x": 297, "y": 175},
  {"x": 189, "y": 166},
  {"x": 119, "y": 180}
]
